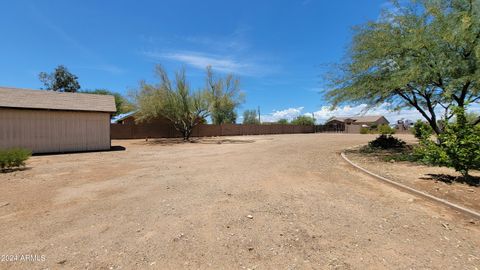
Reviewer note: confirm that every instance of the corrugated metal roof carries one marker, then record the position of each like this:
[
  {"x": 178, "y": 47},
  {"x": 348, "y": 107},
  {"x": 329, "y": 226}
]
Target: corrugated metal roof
[
  {"x": 51, "y": 100},
  {"x": 122, "y": 116}
]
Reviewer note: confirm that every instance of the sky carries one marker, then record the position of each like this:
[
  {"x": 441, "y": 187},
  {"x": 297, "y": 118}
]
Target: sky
[{"x": 279, "y": 49}]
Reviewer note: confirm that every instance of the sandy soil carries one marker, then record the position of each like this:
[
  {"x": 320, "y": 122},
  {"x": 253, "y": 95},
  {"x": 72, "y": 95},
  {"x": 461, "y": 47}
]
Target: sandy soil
[
  {"x": 263, "y": 202},
  {"x": 438, "y": 181}
]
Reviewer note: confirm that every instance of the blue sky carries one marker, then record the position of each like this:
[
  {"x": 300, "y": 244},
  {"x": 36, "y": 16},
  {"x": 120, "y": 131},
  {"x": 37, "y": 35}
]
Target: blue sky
[{"x": 279, "y": 49}]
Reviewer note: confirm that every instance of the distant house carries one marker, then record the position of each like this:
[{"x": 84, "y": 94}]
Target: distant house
[
  {"x": 54, "y": 122},
  {"x": 353, "y": 124},
  {"x": 404, "y": 124}
]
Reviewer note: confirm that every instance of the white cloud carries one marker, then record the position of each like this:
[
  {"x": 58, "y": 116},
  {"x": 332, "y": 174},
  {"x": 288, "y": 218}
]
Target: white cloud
[
  {"x": 289, "y": 114},
  {"x": 229, "y": 53},
  {"x": 325, "y": 113},
  {"x": 236, "y": 41},
  {"x": 220, "y": 63},
  {"x": 199, "y": 60}
]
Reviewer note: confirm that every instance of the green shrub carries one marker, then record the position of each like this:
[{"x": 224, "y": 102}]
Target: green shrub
[
  {"x": 458, "y": 146},
  {"x": 283, "y": 121},
  {"x": 13, "y": 158},
  {"x": 364, "y": 130},
  {"x": 385, "y": 130},
  {"x": 422, "y": 130},
  {"x": 303, "y": 120},
  {"x": 387, "y": 142}
]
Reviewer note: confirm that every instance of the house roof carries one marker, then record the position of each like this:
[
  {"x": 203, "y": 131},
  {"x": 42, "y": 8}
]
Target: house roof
[
  {"x": 51, "y": 100},
  {"x": 122, "y": 116},
  {"x": 358, "y": 119}
]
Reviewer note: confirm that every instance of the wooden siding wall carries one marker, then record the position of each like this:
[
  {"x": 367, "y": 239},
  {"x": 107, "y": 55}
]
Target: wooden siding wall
[{"x": 44, "y": 131}]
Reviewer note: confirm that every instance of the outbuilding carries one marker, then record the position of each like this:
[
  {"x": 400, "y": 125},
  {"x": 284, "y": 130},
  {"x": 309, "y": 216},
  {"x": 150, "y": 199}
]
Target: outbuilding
[{"x": 54, "y": 122}]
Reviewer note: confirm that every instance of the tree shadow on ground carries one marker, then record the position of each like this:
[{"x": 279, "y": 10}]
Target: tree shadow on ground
[
  {"x": 19, "y": 169},
  {"x": 224, "y": 141},
  {"x": 450, "y": 179}
]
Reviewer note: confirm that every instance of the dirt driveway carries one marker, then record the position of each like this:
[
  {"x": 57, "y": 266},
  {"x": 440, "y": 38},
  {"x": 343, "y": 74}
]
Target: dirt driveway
[{"x": 260, "y": 202}]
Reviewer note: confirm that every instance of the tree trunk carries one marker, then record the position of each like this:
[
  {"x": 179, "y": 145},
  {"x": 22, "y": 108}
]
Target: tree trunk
[{"x": 476, "y": 122}]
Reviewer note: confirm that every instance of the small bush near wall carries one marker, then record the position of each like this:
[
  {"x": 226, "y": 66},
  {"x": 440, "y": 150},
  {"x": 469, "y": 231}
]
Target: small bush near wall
[
  {"x": 385, "y": 130},
  {"x": 387, "y": 142},
  {"x": 13, "y": 158},
  {"x": 364, "y": 130}
]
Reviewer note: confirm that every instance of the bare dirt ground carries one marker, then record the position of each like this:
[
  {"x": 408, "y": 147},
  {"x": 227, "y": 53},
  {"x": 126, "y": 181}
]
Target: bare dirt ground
[
  {"x": 437, "y": 181},
  {"x": 260, "y": 202}
]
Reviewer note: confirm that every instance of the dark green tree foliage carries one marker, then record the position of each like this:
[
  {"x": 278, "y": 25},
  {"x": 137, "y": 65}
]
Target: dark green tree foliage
[
  {"x": 385, "y": 141},
  {"x": 122, "y": 103},
  {"x": 422, "y": 130},
  {"x": 303, "y": 120},
  {"x": 60, "y": 80},
  {"x": 225, "y": 97},
  {"x": 174, "y": 101},
  {"x": 250, "y": 117},
  {"x": 283, "y": 121},
  {"x": 424, "y": 54}
]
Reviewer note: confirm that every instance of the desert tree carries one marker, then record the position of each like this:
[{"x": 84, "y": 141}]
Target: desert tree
[
  {"x": 123, "y": 105},
  {"x": 283, "y": 121},
  {"x": 60, "y": 80},
  {"x": 423, "y": 54},
  {"x": 250, "y": 117},
  {"x": 303, "y": 120},
  {"x": 173, "y": 100},
  {"x": 225, "y": 97}
]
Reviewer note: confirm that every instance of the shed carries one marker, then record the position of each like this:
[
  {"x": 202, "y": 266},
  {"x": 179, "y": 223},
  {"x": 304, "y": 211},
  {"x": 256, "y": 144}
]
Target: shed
[{"x": 54, "y": 122}]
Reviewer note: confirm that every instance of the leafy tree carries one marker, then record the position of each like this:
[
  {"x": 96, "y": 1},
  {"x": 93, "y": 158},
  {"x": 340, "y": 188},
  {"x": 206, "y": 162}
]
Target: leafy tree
[
  {"x": 303, "y": 120},
  {"x": 424, "y": 54},
  {"x": 225, "y": 96},
  {"x": 60, "y": 80},
  {"x": 458, "y": 147},
  {"x": 472, "y": 117},
  {"x": 283, "y": 121},
  {"x": 174, "y": 101},
  {"x": 422, "y": 130},
  {"x": 122, "y": 103},
  {"x": 250, "y": 117},
  {"x": 385, "y": 129}
]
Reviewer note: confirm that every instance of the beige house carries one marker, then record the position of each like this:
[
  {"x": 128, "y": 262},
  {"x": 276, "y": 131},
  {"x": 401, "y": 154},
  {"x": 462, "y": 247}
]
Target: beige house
[
  {"x": 355, "y": 123},
  {"x": 54, "y": 122}
]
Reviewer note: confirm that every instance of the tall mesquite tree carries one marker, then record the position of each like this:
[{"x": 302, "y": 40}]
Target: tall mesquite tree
[
  {"x": 250, "y": 117},
  {"x": 424, "y": 54},
  {"x": 174, "y": 101},
  {"x": 225, "y": 97},
  {"x": 60, "y": 80}
]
